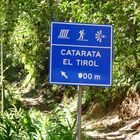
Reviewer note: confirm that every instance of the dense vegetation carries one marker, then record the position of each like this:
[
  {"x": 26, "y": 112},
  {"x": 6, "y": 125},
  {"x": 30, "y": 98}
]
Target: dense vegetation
[
  {"x": 34, "y": 125},
  {"x": 24, "y": 37}
]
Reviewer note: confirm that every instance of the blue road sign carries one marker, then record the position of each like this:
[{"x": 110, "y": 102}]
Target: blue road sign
[{"x": 81, "y": 54}]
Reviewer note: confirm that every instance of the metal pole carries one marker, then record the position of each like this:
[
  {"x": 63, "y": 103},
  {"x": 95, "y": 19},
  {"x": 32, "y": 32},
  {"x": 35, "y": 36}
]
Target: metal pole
[{"x": 79, "y": 108}]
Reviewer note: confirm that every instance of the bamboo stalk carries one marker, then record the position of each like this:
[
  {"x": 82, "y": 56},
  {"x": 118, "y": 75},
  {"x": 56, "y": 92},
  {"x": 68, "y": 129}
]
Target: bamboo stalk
[
  {"x": 2, "y": 85},
  {"x": 2, "y": 71}
]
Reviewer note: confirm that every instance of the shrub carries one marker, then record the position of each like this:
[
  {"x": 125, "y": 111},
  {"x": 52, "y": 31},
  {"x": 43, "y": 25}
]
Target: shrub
[{"x": 34, "y": 125}]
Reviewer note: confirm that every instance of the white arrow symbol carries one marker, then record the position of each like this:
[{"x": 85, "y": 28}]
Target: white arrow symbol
[{"x": 64, "y": 74}]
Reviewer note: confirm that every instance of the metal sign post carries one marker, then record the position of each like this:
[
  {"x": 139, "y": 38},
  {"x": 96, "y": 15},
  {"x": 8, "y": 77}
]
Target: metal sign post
[
  {"x": 81, "y": 54},
  {"x": 79, "y": 108}
]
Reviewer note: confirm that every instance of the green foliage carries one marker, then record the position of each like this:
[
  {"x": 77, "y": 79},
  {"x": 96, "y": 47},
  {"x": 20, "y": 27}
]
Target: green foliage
[
  {"x": 124, "y": 16},
  {"x": 25, "y": 26},
  {"x": 26, "y": 37},
  {"x": 34, "y": 125}
]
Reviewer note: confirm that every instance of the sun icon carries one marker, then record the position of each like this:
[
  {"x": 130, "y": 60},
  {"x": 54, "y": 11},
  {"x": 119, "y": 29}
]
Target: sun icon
[{"x": 99, "y": 36}]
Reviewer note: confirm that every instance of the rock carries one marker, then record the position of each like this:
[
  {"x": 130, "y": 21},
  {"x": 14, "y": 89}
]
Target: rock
[
  {"x": 122, "y": 137},
  {"x": 133, "y": 136},
  {"x": 115, "y": 125},
  {"x": 135, "y": 125},
  {"x": 130, "y": 107},
  {"x": 136, "y": 137}
]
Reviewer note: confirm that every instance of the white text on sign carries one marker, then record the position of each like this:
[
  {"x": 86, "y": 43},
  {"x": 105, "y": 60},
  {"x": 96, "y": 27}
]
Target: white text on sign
[
  {"x": 88, "y": 63},
  {"x": 89, "y": 76},
  {"x": 82, "y": 53}
]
